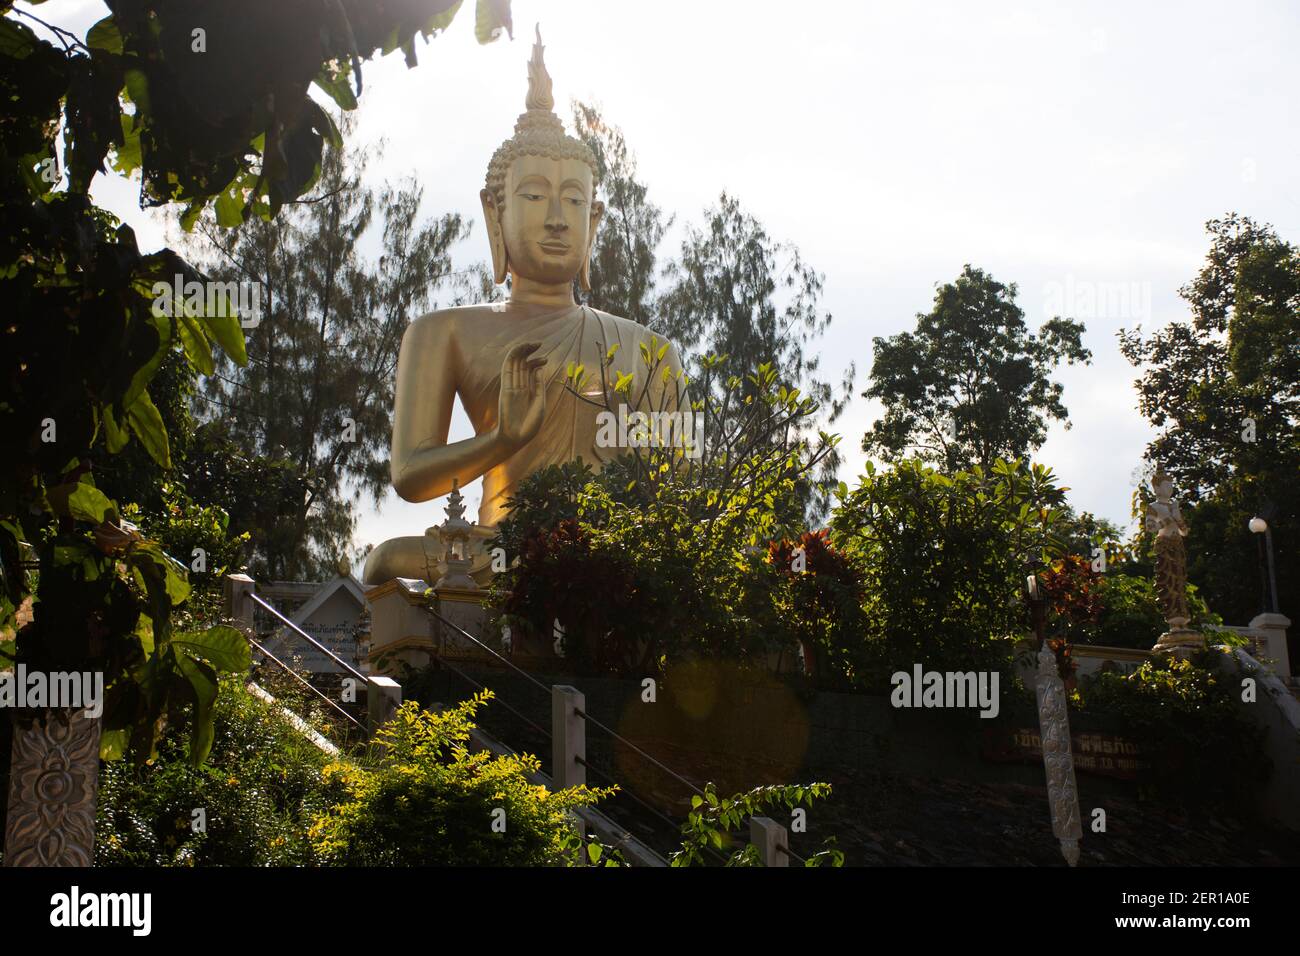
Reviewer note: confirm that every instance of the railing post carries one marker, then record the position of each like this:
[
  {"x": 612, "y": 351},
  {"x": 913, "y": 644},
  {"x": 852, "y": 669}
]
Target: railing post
[
  {"x": 239, "y": 600},
  {"x": 568, "y": 736},
  {"x": 770, "y": 839},
  {"x": 383, "y": 697}
]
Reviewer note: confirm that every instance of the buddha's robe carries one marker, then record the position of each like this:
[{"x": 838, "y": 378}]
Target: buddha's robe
[{"x": 459, "y": 352}]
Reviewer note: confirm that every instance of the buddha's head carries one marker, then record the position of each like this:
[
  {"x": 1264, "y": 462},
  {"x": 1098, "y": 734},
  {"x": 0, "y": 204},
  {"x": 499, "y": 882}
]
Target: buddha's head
[{"x": 540, "y": 199}]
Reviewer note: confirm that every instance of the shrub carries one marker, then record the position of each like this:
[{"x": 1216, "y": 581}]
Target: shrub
[
  {"x": 427, "y": 801},
  {"x": 1113, "y": 609},
  {"x": 945, "y": 559},
  {"x": 635, "y": 584},
  {"x": 664, "y": 541},
  {"x": 712, "y": 821},
  {"x": 813, "y": 602},
  {"x": 1072, "y": 590},
  {"x": 1198, "y": 746},
  {"x": 259, "y": 789},
  {"x": 1131, "y": 615}
]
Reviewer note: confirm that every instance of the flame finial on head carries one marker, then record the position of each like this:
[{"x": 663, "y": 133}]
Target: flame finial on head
[
  {"x": 539, "y": 81},
  {"x": 538, "y": 131}
]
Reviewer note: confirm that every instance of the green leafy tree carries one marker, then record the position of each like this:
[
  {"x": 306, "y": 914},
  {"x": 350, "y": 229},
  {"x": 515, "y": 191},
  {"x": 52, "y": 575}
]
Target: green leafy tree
[
  {"x": 1223, "y": 388},
  {"x": 225, "y": 119},
  {"x": 669, "y": 537},
  {"x": 624, "y": 263},
  {"x": 944, "y": 559},
  {"x": 748, "y": 454},
  {"x": 740, "y": 300},
  {"x": 317, "y": 392},
  {"x": 971, "y": 384}
]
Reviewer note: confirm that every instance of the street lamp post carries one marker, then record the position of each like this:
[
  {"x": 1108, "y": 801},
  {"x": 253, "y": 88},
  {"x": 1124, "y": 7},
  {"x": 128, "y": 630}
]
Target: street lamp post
[{"x": 1260, "y": 526}]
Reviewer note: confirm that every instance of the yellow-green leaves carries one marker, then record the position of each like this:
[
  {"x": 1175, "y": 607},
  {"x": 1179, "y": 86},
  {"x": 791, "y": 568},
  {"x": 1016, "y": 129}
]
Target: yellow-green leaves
[
  {"x": 145, "y": 421},
  {"x": 223, "y": 647}
]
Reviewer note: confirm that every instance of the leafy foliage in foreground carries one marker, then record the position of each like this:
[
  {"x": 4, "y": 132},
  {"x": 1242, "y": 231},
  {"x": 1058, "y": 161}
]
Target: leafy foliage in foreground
[
  {"x": 225, "y": 120},
  {"x": 259, "y": 790},
  {"x": 428, "y": 801},
  {"x": 713, "y": 819}
]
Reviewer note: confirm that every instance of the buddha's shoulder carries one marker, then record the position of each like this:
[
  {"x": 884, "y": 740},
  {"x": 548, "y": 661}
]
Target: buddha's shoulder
[
  {"x": 451, "y": 322},
  {"x": 628, "y": 328}
]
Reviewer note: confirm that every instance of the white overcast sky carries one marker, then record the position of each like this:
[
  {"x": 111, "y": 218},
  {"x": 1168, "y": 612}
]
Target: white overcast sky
[{"x": 1067, "y": 147}]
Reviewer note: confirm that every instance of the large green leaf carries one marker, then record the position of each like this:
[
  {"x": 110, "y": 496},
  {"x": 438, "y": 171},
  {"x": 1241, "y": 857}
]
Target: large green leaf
[
  {"x": 172, "y": 571},
  {"x": 127, "y": 157},
  {"x": 225, "y": 328},
  {"x": 195, "y": 343},
  {"x": 105, "y": 36},
  {"x": 144, "y": 419},
  {"x": 440, "y": 21},
  {"x": 229, "y": 207},
  {"x": 203, "y": 681},
  {"x": 113, "y": 743},
  {"x": 115, "y": 436},
  {"x": 81, "y": 501},
  {"x": 137, "y": 90},
  {"x": 16, "y": 39},
  {"x": 223, "y": 646},
  {"x": 338, "y": 87}
]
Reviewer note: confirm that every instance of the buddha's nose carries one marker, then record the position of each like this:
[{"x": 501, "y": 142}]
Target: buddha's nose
[{"x": 555, "y": 217}]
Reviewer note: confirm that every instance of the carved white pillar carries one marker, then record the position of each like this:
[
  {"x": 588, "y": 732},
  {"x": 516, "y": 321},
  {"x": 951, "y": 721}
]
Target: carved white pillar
[
  {"x": 53, "y": 787},
  {"x": 1058, "y": 759}
]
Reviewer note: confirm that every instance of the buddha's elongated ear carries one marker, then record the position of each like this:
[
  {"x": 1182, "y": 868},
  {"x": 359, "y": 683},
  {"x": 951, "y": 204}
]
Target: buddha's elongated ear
[
  {"x": 584, "y": 274},
  {"x": 496, "y": 236}
]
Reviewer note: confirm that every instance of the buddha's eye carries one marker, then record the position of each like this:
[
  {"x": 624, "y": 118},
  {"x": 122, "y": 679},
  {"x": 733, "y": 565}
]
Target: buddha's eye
[
  {"x": 530, "y": 195},
  {"x": 576, "y": 202}
]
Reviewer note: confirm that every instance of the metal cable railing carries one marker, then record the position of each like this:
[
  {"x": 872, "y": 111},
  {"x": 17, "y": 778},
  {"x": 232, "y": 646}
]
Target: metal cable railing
[
  {"x": 591, "y": 720},
  {"x": 302, "y": 680},
  {"x": 673, "y": 824},
  {"x": 481, "y": 686},
  {"x": 782, "y": 848},
  {"x": 585, "y": 716},
  {"x": 314, "y": 643}
]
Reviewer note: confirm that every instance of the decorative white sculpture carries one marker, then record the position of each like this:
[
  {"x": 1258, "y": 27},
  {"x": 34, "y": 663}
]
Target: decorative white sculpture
[
  {"x": 454, "y": 534},
  {"x": 1058, "y": 759}
]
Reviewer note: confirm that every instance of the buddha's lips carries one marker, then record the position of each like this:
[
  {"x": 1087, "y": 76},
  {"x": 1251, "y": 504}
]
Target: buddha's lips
[{"x": 556, "y": 247}]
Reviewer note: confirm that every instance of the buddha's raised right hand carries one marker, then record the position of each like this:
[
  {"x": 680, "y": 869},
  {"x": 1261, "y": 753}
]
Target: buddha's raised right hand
[{"x": 522, "y": 404}]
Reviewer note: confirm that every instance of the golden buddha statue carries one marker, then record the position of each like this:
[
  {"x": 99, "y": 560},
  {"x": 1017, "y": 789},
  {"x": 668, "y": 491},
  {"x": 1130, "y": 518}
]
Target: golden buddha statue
[{"x": 509, "y": 361}]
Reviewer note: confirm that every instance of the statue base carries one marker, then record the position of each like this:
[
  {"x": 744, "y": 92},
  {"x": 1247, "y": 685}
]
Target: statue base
[
  {"x": 421, "y": 557},
  {"x": 1179, "y": 642}
]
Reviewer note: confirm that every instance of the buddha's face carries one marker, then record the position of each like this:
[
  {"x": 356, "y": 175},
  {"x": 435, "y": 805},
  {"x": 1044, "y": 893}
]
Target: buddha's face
[{"x": 549, "y": 218}]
